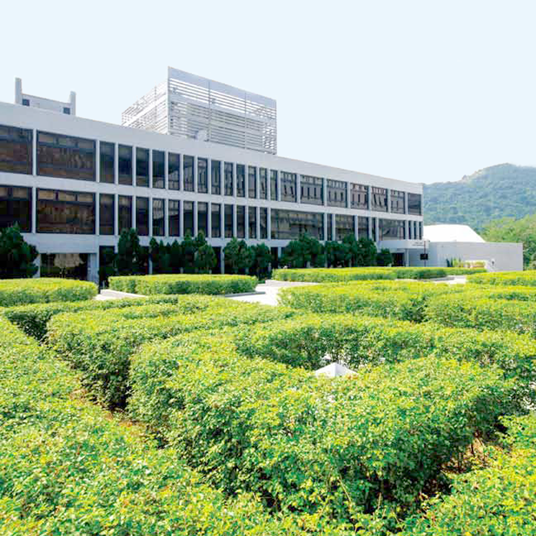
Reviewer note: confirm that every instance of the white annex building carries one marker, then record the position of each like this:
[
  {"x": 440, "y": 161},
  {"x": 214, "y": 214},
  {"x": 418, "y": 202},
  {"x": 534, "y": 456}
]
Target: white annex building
[{"x": 192, "y": 155}]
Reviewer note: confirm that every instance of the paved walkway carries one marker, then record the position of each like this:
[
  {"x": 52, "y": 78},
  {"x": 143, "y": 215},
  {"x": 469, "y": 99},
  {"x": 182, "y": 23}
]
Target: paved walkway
[{"x": 270, "y": 290}]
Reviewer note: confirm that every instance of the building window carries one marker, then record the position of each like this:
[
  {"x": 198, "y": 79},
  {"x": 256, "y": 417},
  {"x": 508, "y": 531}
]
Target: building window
[
  {"x": 59, "y": 211},
  {"x": 202, "y": 175},
  {"x": 398, "y": 202},
  {"x": 263, "y": 183},
  {"x": 240, "y": 221},
  {"x": 174, "y": 218},
  {"x": 188, "y": 173},
  {"x": 159, "y": 217},
  {"x": 373, "y": 229},
  {"x": 330, "y": 227},
  {"x": 202, "y": 218},
  {"x": 67, "y": 111},
  {"x": 378, "y": 199},
  {"x": 125, "y": 165},
  {"x": 15, "y": 150},
  {"x": 188, "y": 217},
  {"x": 174, "y": 169},
  {"x": 344, "y": 226},
  {"x": 215, "y": 177},
  {"x": 252, "y": 182},
  {"x": 290, "y": 224},
  {"x": 125, "y": 212},
  {"x": 107, "y": 162},
  {"x": 312, "y": 190},
  {"x": 229, "y": 178},
  {"x": 65, "y": 157},
  {"x": 16, "y": 207},
  {"x": 415, "y": 204},
  {"x": 273, "y": 185},
  {"x": 336, "y": 193},
  {"x": 159, "y": 169},
  {"x": 263, "y": 223},
  {"x": 26, "y": 102},
  {"x": 392, "y": 229},
  {"x": 142, "y": 167},
  {"x": 252, "y": 222},
  {"x": 215, "y": 220},
  {"x": 240, "y": 180},
  {"x": 288, "y": 187},
  {"x": 142, "y": 216},
  {"x": 106, "y": 214},
  {"x": 362, "y": 227},
  {"x": 359, "y": 196},
  {"x": 228, "y": 221}
]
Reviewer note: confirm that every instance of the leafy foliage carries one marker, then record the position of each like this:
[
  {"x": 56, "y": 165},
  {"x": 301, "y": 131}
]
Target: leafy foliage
[
  {"x": 16, "y": 255},
  {"x": 238, "y": 256},
  {"x": 130, "y": 256}
]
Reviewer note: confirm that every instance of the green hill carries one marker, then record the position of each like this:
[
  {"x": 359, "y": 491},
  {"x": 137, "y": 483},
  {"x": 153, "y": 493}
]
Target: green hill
[{"x": 495, "y": 192}]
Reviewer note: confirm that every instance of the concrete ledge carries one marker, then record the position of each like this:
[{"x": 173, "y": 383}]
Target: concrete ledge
[
  {"x": 238, "y": 295},
  {"x": 117, "y": 295}
]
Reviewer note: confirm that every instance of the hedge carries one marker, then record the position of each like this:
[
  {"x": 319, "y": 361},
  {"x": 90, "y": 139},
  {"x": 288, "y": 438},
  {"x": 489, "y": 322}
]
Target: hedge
[
  {"x": 309, "y": 444},
  {"x": 100, "y": 343},
  {"x": 67, "y": 467},
  {"x": 527, "y": 278},
  {"x": 184, "y": 284},
  {"x": 23, "y": 291}
]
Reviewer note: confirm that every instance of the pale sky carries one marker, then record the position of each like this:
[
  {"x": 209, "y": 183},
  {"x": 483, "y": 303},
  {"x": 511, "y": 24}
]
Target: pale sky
[{"x": 418, "y": 90}]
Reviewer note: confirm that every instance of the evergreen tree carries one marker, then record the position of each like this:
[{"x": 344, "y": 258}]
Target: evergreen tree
[
  {"x": 159, "y": 254},
  {"x": 366, "y": 252},
  {"x": 175, "y": 257},
  {"x": 205, "y": 259},
  {"x": 130, "y": 258},
  {"x": 262, "y": 257},
  {"x": 16, "y": 255},
  {"x": 337, "y": 254},
  {"x": 238, "y": 256},
  {"x": 303, "y": 252},
  {"x": 189, "y": 248},
  {"x": 107, "y": 264},
  {"x": 384, "y": 258}
]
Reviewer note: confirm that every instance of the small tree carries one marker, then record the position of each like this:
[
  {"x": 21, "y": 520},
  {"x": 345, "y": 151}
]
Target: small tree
[
  {"x": 205, "y": 259},
  {"x": 337, "y": 254},
  {"x": 130, "y": 257},
  {"x": 384, "y": 258},
  {"x": 159, "y": 253},
  {"x": 238, "y": 256},
  {"x": 262, "y": 257},
  {"x": 176, "y": 261},
  {"x": 306, "y": 250},
  {"x": 16, "y": 255},
  {"x": 188, "y": 253},
  {"x": 353, "y": 249},
  {"x": 366, "y": 252}
]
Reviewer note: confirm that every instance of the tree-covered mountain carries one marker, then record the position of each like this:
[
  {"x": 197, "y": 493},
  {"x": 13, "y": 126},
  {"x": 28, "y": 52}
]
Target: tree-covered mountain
[{"x": 492, "y": 193}]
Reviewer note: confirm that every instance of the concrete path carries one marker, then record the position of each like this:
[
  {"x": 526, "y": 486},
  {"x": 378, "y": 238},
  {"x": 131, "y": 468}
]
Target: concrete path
[{"x": 269, "y": 290}]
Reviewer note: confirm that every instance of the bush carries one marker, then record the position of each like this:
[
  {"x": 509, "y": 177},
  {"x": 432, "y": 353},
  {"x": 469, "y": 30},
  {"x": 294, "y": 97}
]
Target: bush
[
  {"x": 184, "y": 284},
  {"x": 310, "y": 444},
  {"x": 527, "y": 278},
  {"x": 23, "y": 291},
  {"x": 16, "y": 255}
]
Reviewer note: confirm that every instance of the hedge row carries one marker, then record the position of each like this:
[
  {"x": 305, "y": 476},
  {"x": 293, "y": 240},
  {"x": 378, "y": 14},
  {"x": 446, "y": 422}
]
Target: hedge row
[
  {"x": 343, "y": 447},
  {"x": 24, "y": 291},
  {"x": 527, "y": 278},
  {"x": 100, "y": 343},
  {"x": 184, "y": 284},
  {"x": 66, "y": 467}
]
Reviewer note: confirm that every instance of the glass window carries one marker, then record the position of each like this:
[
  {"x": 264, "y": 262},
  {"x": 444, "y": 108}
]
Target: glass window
[
  {"x": 290, "y": 224},
  {"x": 359, "y": 196},
  {"x": 330, "y": 227},
  {"x": 374, "y": 230},
  {"x": 273, "y": 185},
  {"x": 240, "y": 221},
  {"x": 202, "y": 175},
  {"x": 142, "y": 216},
  {"x": 240, "y": 180},
  {"x": 392, "y": 229},
  {"x": 26, "y": 102},
  {"x": 15, "y": 150},
  {"x": 398, "y": 202},
  {"x": 16, "y": 207},
  {"x": 311, "y": 190},
  {"x": 288, "y": 187},
  {"x": 362, "y": 227},
  {"x": 59, "y": 211},
  {"x": 125, "y": 165},
  {"x": 159, "y": 169},
  {"x": 159, "y": 215},
  {"x": 252, "y": 222},
  {"x": 107, "y": 162},
  {"x": 188, "y": 173},
  {"x": 415, "y": 204},
  {"x": 202, "y": 218},
  {"x": 344, "y": 225},
  {"x": 378, "y": 199},
  {"x": 188, "y": 217},
  {"x": 125, "y": 212},
  {"x": 174, "y": 169},
  {"x": 142, "y": 167},
  {"x": 229, "y": 178},
  {"x": 263, "y": 183},
  {"x": 215, "y": 220},
  {"x": 174, "y": 218},
  {"x": 264, "y": 222},
  {"x": 65, "y": 157},
  {"x": 252, "y": 182},
  {"x": 106, "y": 214},
  {"x": 215, "y": 172},
  {"x": 228, "y": 221},
  {"x": 336, "y": 193}
]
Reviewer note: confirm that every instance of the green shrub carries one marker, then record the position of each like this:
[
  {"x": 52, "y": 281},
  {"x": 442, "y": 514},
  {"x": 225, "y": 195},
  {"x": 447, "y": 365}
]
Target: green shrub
[
  {"x": 23, "y": 291},
  {"x": 332, "y": 275},
  {"x": 184, "y": 284},
  {"x": 527, "y": 278},
  {"x": 420, "y": 273},
  {"x": 309, "y": 444}
]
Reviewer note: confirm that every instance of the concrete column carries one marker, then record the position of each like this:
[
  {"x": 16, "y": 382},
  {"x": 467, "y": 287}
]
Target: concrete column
[
  {"x": 356, "y": 227},
  {"x": 166, "y": 171},
  {"x": 209, "y": 219},
  {"x": 388, "y": 200},
  {"x": 116, "y": 163},
  {"x": 298, "y": 188},
  {"x": 377, "y": 230},
  {"x": 324, "y": 192},
  {"x": 116, "y": 214},
  {"x": 195, "y": 178},
  {"x": 93, "y": 267},
  {"x": 370, "y": 231},
  {"x": 33, "y": 228},
  {"x": 134, "y": 161},
  {"x": 34, "y": 152},
  {"x": 347, "y": 195},
  {"x": 97, "y": 161},
  {"x": 150, "y": 168},
  {"x": 325, "y": 217},
  {"x": 405, "y": 202},
  {"x": 150, "y": 216},
  {"x": 209, "y": 176},
  {"x": 97, "y": 214}
]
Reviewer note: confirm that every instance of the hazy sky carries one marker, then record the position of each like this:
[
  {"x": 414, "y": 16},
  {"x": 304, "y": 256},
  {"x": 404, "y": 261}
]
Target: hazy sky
[{"x": 419, "y": 90}]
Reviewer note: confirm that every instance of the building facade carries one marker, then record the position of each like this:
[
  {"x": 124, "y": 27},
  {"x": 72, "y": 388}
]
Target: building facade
[{"x": 74, "y": 184}]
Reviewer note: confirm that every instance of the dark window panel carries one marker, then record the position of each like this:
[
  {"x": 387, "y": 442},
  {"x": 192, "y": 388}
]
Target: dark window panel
[
  {"x": 392, "y": 229},
  {"x": 415, "y": 204},
  {"x": 263, "y": 183},
  {"x": 125, "y": 212},
  {"x": 216, "y": 220},
  {"x": 252, "y": 222},
  {"x": 215, "y": 177},
  {"x": 264, "y": 222},
  {"x": 202, "y": 175},
  {"x": 16, "y": 207},
  {"x": 240, "y": 221},
  {"x": 336, "y": 193},
  {"x": 174, "y": 169},
  {"x": 174, "y": 218},
  {"x": 202, "y": 218},
  {"x": 229, "y": 178},
  {"x": 159, "y": 169},
  {"x": 15, "y": 150},
  {"x": 107, "y": 162},
  {"x": 142, "y": 167},
  {"x": 312, "y": 191},
  {"x": 106, "y": 214},
  {"x": 125, "y": 165},
  {"x": 240, "y": 180},
  {"x": 228, "y": 221},
  {"x": 362, "y": 227},
  {"x": 378, "y": 199},
  {"x": 252, "y": 182},
  {"x": 142, "y": 216},
  {"x": 288, "y": 187},
  {"x": 273, "y": 185},
  {"x": 188, "y": 217},
  {"x": 159, "y": 217},
  {"x": 290, "y": 224},
  {"x": 398, "y": 202},
  {"x": 344, "y": 225},
  {"x": 359, "y": 196},
  {"x": 188, "y": 173}
]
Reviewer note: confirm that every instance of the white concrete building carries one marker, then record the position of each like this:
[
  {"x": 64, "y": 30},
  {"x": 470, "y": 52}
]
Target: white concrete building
[{"x": 74, "y": 184}]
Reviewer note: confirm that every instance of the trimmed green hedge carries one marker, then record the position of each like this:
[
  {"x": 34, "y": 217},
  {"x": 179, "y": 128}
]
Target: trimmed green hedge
[
  {"x": 184, "y": 284},
  {"x": 66, "y": 467},
  {"x": 342, "y": 447},
  {"x": 527, "y": 278},
  {"x": 23, "y": 291}
]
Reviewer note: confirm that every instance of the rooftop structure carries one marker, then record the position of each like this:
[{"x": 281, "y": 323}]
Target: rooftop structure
[{"x": 68, "y": 108}]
